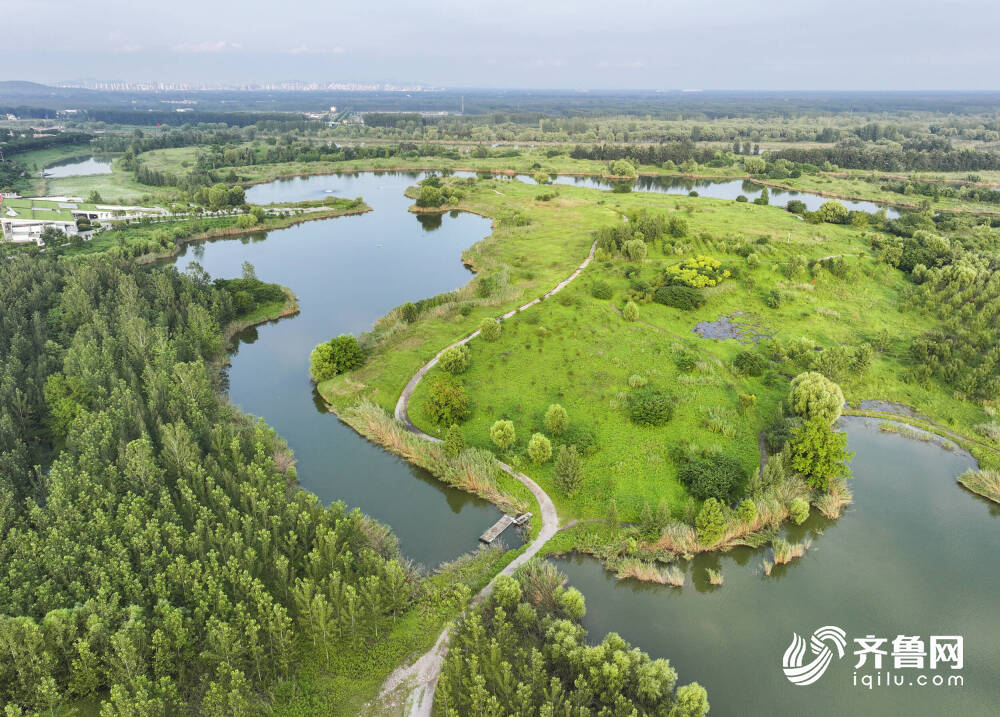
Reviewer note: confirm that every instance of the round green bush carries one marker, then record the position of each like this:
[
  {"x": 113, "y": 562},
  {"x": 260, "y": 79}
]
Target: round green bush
[
  {"x": 799, "y": 510},
  {"x": 649, "y": 406},
  {"x": 556, "y": 420},
  {"x": 601, "y": 290},
  {"x": 490, "y": 329},
  {"x": 631, "y": 311},
  {"x": 714, "y": 475},
  {"x": 455, "y": 360},
  {"x": 539, "y": 448}
]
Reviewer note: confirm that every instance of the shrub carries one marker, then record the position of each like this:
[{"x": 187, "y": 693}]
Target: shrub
[
  {"x": 799, "y": 510},
  {"x": 454, "y": 442},
  {"x": 429, "y": 197},
  {"x": 601, "y": 290},
  {"x": 773, "y": 299},
  {"x": 713, "y": 475},
  {"x": 796, "y": 206},
  {"x": 502, "y": 434},
  {"x": 408, "y": 312},
  {"x": 833, "y": 212},
  {"x": 631, "y": 311},
  {"x": 556, "y": 420},
  {"x": 623, "y": 168},
  {"x": 748, "y": 401},
  {"x": 677, "y": 227},
  {"x": 711, "y": 522},
  {"x": 582, "y": 437},
  {"x": 679, "y": 297},
  {"x": 539, "y": 448},
  {"x": 337, "y": 355},
  {"x": 635, "y": 249},
  {"x": 686, "y": 361},
  {"x": 747, "y": 511},
  {"x": 699, "y": 271},
  {"x": 456, "y": 359},
  {"x": 649, "y": 406},
  {"x": 490, "y": 329},
  {"x": 750, "y": 363},
  {"x": 742, "y": 198},
  {"x": 447, "y": 402},
  {"x": 814, "y": 395}
]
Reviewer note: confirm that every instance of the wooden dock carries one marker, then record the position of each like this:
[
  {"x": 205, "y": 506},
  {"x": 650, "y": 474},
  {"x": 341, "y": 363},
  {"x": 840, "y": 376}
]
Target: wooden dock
[{"x": 501, "y": 525}]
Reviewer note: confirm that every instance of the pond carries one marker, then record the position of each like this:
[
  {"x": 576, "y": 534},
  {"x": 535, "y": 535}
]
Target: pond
[
  {"x": 348, "y": 272},
  {"x": 914, "y": 555},
  {"x": 77, "y": 167},
  {"x": 719, "y": 189}
]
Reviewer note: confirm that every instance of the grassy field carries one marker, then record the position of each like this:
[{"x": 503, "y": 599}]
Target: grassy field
[
  {"x": 576, "y": 350},
  {"x": 118, "y": 187}
]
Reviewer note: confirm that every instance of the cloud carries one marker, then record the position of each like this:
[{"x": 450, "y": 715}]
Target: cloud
[
  {"x": 129, "y": 48},
  {"x": 196, "y": 48},
  {"x": 304, "y": 50},
  {"x": 633, "y": 65}
]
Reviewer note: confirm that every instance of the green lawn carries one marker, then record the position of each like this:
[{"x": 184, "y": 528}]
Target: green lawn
[{"x": 578, "y": 351}]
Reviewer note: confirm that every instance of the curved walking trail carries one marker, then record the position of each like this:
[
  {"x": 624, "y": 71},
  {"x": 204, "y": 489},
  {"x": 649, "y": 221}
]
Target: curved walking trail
[{"x": 423, "y": 673}]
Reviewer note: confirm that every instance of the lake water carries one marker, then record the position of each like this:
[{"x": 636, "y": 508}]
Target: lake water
[
  {"x": 78, "y": 167},
  {"x": 914, "y": 555},
  {"x": 348, "y": 272},
  {"x": 726, "y": 189}
]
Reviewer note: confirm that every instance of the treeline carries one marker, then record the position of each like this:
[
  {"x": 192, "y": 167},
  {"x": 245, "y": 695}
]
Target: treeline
[
  {"x": 171, "y": 117},
  {"x": 16, "y": 143},
  {"x": 139, "y": 142},
  {"x": 524, "y": 652},
  {"x": 921, "y": 154},
  {"x": 677, "y": 152},
  {"x": 160, "y": 560}
]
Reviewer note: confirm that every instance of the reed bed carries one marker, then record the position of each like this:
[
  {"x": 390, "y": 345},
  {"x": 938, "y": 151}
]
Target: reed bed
[
  {"x": 984, "y": 482},
  {"x": 714, "y": 576}
]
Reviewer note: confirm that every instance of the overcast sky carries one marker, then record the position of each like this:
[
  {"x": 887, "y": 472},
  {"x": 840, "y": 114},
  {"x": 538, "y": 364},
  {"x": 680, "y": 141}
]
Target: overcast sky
[{"x": 710, "y": 44}]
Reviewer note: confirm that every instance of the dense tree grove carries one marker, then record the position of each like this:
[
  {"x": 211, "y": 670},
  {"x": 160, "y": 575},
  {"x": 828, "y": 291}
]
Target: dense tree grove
[
  {"x": 525, "y": 652},
  {"x": 159, "y": 558}
]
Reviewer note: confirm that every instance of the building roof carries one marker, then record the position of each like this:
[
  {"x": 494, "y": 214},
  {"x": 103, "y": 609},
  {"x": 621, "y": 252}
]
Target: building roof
[{"x": 36, "y": 210}]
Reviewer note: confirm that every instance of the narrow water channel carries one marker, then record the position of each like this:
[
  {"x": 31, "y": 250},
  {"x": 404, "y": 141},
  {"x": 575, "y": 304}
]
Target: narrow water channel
[{"x": 348, "y": 272}]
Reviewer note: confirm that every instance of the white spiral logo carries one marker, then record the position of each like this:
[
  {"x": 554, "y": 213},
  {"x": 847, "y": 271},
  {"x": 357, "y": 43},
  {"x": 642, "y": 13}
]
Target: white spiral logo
[{"x": 791, "y": 663}]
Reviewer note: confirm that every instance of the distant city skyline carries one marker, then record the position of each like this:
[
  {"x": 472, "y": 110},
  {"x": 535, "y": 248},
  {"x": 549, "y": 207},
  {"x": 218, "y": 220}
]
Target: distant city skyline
[{"x": 558, "y": 44}]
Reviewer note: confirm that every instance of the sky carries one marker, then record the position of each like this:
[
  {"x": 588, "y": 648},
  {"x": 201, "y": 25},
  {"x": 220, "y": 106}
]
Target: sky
[{"x": 613, "y": 44}]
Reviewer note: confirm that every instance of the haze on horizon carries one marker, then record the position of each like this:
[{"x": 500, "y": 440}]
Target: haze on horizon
[{"x": 818, "y": 45}]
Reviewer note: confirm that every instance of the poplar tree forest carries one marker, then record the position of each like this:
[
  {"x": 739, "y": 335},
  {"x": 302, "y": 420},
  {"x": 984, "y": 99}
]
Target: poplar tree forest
[{"x": 155, "y": 553}]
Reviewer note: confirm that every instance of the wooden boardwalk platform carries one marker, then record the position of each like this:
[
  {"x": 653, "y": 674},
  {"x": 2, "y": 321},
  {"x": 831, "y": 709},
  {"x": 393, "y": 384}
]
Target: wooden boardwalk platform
[{"x": 501, "y": 525}]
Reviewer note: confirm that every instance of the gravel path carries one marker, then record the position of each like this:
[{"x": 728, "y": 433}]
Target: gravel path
[{"x": 423, "y": 674}]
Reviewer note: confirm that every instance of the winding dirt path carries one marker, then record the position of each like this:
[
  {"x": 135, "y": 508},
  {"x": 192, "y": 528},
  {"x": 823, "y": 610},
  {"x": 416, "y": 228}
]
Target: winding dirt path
[{"x": 423, "y": 674}]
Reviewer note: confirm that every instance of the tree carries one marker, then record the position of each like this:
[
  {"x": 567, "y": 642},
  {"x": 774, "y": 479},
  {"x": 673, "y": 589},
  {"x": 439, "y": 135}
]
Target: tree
[
  {"x": 569, "y": 469},
  {"x": 455, "y": 360},
  {"x": 248, "y": 272},
  {"x": 52, "y": 237},
  {"x": 408, "y": 312},
  {"x": 764, "y": 199},
  {"x": 754, "y": 165},
  {"x": 750, "y": 363},
  {"x": 429, "y": 197},
  {"x": 502, "y": 434},
  {"x": 454, "y": 442},
  {"x": 336, "y": 356},
  {"x": 635, "y": 249},
  {"x": 539, "y": 448},
  {"x": 799, "y": 510},
  {"x": 631, "y": 311},
  {"x": 813, "y": 395},
  {"x": 447, "y": 402},
  {"x": 746, "y": 512},
  {"x": 833, "y": 212},
  {"x": 711, "y": 522},
  {"x": 819, "y": 453},
  {"x": 692, "y": 701},
  {"x": 624, "y": 169},
  {"x": 490, "y": 329},
  {"x": 713, "y": 475},
  {"x": 556, "y": 419}
]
